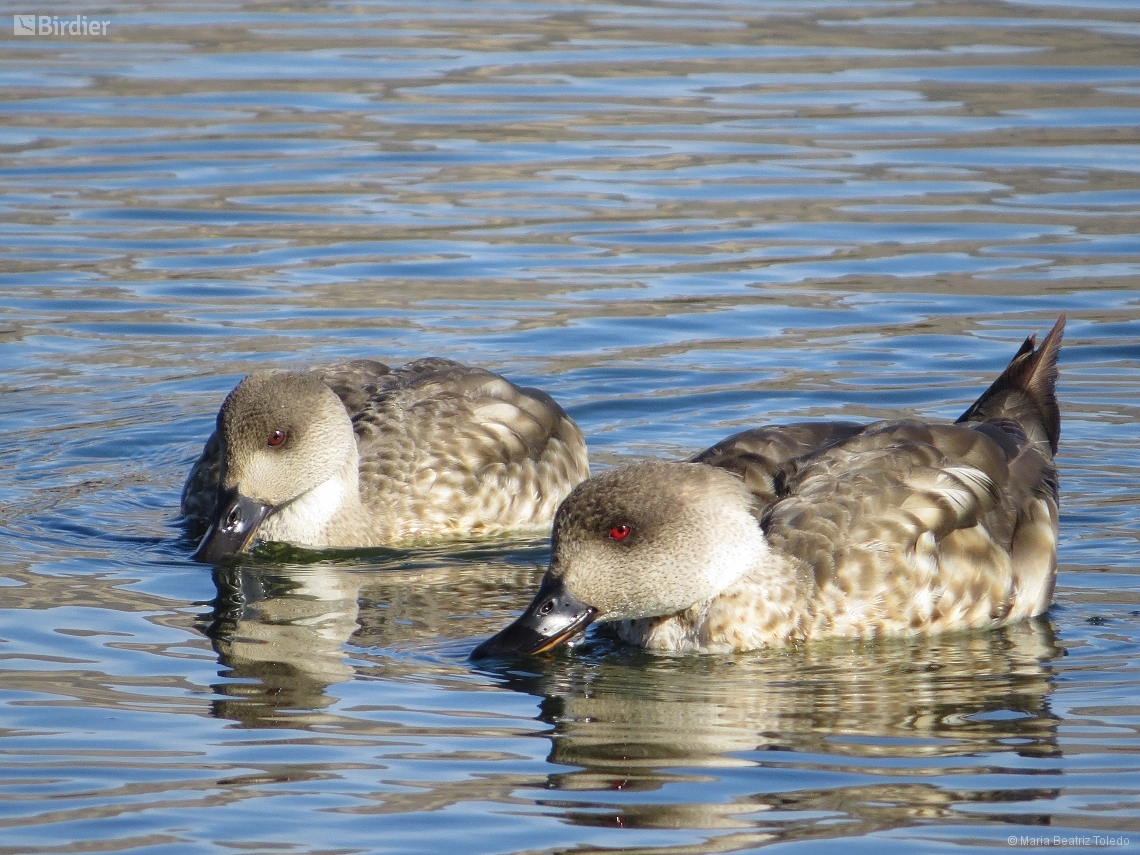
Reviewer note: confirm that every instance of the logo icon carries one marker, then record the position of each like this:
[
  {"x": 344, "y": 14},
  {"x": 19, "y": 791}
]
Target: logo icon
[{"x": 23, "y": 25}]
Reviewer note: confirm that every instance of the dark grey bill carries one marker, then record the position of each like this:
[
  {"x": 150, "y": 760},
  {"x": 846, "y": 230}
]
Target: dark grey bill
[
  {"x": 553, "y": 617},
  {"x": 236, "y": 520}
]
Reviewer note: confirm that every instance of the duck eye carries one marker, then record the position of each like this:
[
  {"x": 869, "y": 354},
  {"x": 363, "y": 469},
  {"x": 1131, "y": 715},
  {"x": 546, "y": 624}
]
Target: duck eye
[
  {"x": 276, "y": 439},
  {"x": 620, "y": 532}
]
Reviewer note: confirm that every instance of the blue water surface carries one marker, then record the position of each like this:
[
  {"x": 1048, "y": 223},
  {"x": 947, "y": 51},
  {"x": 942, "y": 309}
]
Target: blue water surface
[{"x": 679, "y": 219}]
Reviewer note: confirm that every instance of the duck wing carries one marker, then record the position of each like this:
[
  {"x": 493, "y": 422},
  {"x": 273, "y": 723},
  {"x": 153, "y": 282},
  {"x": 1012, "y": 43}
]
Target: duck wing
[
  {"x": 761, "y": 455},
  {"x": 354, "y": 381},
  {"x": 921, "y": 526},
  {"x": 446, "y": 445},
  {"x": 905, "y": 524}
]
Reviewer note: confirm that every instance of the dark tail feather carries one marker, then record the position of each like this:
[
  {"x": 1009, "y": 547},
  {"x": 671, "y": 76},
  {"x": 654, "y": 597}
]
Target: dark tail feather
[{"x": 1026, "y": 392}]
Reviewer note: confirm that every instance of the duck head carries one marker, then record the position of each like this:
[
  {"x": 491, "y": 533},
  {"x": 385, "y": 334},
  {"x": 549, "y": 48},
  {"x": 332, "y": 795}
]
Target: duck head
[
  {"x": 646, "y": 540},
  {"x": 286, "y": 441}
]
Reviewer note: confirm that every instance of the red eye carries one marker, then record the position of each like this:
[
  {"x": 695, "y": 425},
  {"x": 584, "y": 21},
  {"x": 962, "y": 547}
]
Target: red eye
[
  {"x": 620, "y": 532},
  {"x": 276, "y": 438}
]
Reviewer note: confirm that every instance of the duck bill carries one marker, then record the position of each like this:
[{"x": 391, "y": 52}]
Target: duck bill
[
  {"x": 236, "y": 520},
  {"x": 553, "y": 617}
]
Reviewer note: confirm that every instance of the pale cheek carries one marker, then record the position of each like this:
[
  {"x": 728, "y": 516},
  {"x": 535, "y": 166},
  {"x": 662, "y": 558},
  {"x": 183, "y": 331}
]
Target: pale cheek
[
  {"x": 596, "y": 578},
  {"x": 648, "y": 588},
  {"x": 264, "y": 477}
]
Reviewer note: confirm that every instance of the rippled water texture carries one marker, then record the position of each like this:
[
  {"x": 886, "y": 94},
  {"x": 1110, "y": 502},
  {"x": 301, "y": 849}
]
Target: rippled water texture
[{"x": 679, "y": 219}]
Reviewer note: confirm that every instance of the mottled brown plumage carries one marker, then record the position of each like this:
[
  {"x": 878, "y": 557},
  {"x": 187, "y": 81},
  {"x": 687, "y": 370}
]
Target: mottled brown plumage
[
  {"x": 368, "y": 456},
  {"x": 784, "y": 534}
]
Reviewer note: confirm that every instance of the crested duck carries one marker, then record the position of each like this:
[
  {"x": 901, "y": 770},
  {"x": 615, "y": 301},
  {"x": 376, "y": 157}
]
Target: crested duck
[
  {"x": 780, "y": 535},
  {"x": 357, "y": 454}
]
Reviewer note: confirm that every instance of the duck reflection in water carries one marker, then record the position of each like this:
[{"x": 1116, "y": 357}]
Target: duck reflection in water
[
  {"x": 843, "y": 711},
  {"x": 284, "y": 632},
  {"x": 290, "y": 624},
  {"x": 867, "y": 730}
]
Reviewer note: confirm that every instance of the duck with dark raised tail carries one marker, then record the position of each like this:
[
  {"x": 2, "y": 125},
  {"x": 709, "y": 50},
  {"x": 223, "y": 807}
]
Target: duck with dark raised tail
[
  {"x": 357, "y": 454},
  {"x": 781, "y": 535}
]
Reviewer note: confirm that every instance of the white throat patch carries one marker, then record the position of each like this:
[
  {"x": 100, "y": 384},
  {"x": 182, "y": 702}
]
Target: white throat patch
[
  {"x": 740, "y": 548},
  {"x": 305, "y": 520}
]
